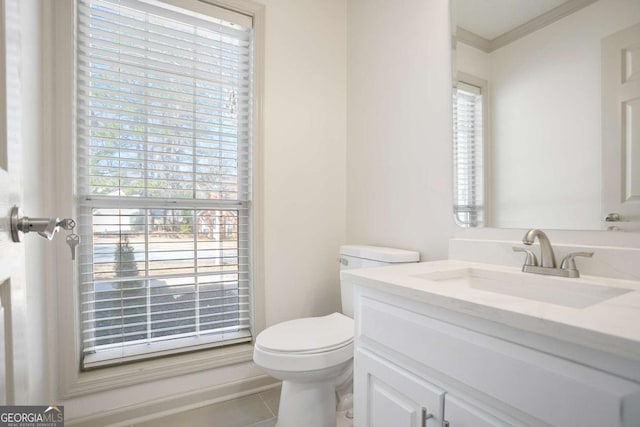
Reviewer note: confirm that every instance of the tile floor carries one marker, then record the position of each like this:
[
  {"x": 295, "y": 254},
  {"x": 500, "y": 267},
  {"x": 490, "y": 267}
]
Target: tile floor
[{"x": 256, "y": 410}]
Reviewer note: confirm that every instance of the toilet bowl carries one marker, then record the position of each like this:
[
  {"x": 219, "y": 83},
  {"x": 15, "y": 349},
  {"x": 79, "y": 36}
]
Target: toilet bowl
[
  {"x": 314, "y": 355},
  {"x": 309, "y": 355}
]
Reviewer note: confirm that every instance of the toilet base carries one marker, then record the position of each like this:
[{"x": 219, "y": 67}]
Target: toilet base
[
  {"x": 343, "y": 419},
  {"x": 310, "y": 404}
]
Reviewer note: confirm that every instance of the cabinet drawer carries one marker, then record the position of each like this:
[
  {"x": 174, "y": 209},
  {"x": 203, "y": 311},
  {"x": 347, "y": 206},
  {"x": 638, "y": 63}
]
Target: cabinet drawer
[{"x": 551, "y": 389}]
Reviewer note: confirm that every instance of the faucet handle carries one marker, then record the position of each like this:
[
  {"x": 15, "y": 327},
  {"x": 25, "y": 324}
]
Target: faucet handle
[
  {"x": 531, "y": 258},
  {"x": 569, "y": 263}
]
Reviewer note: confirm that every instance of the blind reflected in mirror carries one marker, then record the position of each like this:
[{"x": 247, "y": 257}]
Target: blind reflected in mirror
[{"x": 468, "y": 155}]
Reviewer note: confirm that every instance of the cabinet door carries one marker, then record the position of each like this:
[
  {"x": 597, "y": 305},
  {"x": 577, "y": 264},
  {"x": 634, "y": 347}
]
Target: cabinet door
[
  {"x": 459, "y": 413},
  {"x": 387, "y": 395}
]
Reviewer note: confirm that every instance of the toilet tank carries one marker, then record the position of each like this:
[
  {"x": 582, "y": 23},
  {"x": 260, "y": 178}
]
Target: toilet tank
[{"x": 360, "y": 256}]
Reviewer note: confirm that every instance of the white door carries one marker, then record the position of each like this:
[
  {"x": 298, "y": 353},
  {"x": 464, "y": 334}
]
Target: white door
[
  {"x": 621, "y": 127},
  {"x": 387, "y": 395},
  {"x": 13, "y": 346}
]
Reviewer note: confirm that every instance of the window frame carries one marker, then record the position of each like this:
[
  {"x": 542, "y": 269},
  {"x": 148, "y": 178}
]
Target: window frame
[
  {"x": 483, "y": 86},
  {"x": 99, "y": 200},
  {"x": 59, "y": 30}
]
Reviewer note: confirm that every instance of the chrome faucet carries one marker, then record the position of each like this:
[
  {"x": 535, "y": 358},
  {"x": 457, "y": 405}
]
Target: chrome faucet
[
  {"x": 547, "y": 264},
  {"x": 547, "y": 257}
]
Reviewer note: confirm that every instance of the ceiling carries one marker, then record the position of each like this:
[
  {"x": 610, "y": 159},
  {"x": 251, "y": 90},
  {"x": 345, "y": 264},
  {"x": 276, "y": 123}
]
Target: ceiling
[{"x": 490, "y": 19}]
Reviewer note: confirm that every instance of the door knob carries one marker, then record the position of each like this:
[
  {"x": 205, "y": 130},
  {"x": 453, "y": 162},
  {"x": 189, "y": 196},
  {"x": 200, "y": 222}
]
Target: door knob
[{"x": 45, "y": 227}]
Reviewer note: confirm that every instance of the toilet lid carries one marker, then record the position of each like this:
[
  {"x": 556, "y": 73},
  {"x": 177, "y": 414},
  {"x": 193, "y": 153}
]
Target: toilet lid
[{"x": 308, "y": 335}]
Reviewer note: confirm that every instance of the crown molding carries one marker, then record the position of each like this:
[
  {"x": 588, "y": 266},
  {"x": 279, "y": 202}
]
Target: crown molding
[{"x": 520, "y": 31}]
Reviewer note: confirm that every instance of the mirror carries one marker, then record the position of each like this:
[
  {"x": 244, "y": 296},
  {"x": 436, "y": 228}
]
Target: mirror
[{"x": 546, "y": 132}]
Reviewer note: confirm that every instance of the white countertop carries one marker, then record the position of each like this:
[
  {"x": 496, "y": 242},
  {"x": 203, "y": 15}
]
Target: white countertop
[{"x": 612, "y": 325}]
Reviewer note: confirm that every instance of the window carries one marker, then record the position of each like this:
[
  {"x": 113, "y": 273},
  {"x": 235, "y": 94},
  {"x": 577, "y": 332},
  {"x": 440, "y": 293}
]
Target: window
[
  {"x": 468, "y": 155},
  {"x": 164, "y": 128}
]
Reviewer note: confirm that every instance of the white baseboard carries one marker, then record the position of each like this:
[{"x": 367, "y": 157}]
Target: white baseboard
[{"x": 150, "y": 410}]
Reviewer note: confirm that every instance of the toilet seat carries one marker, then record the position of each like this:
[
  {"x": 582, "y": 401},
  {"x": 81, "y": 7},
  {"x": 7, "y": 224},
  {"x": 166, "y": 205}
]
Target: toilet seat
[
  {"x": 308, "y": 335},
  {"x": 306, "y": 344}
]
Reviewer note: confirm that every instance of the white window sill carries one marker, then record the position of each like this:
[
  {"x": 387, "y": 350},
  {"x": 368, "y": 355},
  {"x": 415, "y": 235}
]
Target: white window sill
[{"x": 156, "y": 369}]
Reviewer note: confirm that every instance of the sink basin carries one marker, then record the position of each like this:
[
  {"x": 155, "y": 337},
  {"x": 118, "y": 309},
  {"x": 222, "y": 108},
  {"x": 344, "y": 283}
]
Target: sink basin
[{"x": 575, "y": 293}]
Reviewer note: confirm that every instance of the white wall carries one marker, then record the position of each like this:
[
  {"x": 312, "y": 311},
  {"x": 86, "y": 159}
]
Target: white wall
[
  {"x": 472, "y": 61},
  {"x": 304, "y": 161},
  {"x": 399, "y": 125},
  {"x": 545, "y": 92}
]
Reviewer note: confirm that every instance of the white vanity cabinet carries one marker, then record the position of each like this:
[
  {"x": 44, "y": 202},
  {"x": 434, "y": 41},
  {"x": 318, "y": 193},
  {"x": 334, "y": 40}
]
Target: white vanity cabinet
[
  {"x": 421, "y": 365},
  {"x": 395, "y": 397}
]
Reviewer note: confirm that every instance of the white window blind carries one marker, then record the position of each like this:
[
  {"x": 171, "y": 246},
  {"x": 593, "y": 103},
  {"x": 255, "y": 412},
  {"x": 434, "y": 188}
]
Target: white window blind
[
  {"x": 164, "y": 166},
  {"x": 468, "y": 156}
]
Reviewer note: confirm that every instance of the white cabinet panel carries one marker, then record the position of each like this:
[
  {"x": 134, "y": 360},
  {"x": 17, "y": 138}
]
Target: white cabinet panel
[
  {"x": 386, "y": 395},
  {"x": 459, "y": 413},
  {"x": 389, "y": 406}
]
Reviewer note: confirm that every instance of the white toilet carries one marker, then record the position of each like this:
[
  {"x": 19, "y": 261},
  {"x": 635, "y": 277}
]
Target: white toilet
[{"x": 314, "y": 355}]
